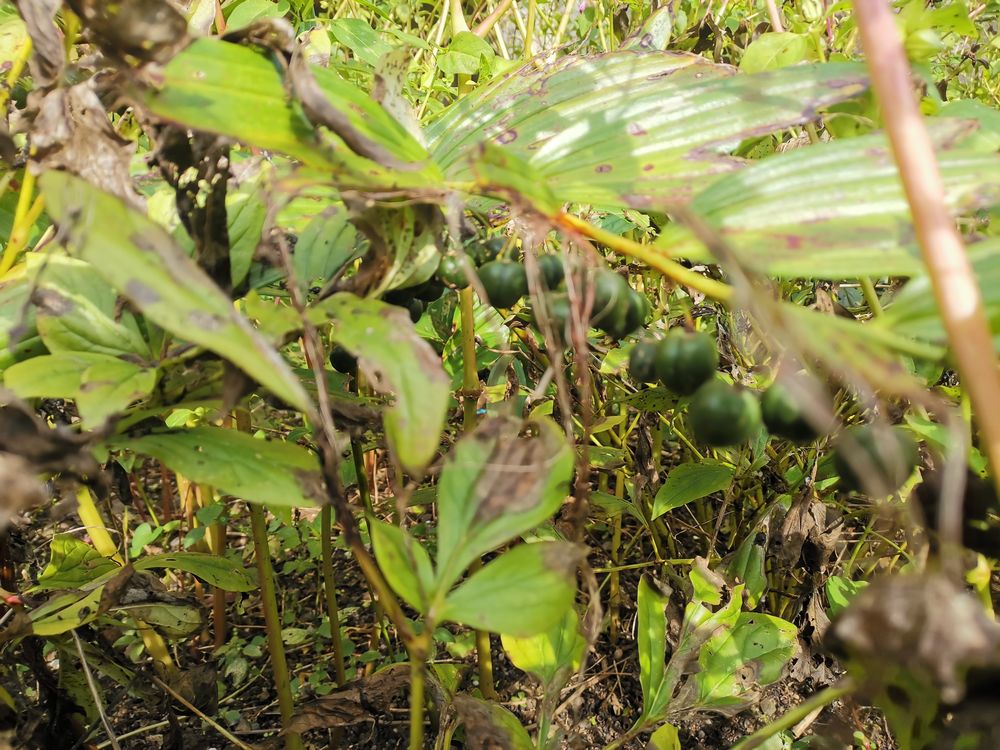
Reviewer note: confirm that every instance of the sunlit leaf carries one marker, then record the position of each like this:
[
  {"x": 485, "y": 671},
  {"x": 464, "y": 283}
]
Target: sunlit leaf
[
  {"x": 689, "y": 482},
  {"x": 523, "y": 592},
  {"x": 262, "y": 471},
  {"x": 213, "y": 569},
  {"x": 140, "y": 260},
  {"x": 632, "y": 128}
]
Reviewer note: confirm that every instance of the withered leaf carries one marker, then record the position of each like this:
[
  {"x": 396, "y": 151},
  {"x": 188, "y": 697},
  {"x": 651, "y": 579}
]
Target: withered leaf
[
  {"x": 46, "y": 39},
  {"x": 924, "y": 623},
  {"x": 147, "y": 30},
  {"x": 360, "y": 701},
  {"x": 19, "y": 487},
  {"x": 72, "y": 132}
]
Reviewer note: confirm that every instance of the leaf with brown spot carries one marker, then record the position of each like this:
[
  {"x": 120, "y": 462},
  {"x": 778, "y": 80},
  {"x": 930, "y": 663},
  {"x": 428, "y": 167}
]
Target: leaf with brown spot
[
  {"x": 139, "y": 259},
  {"x": 489, "y": 726},
  {"x": 501, "y": 480},
  {"x": 634, "y": 127},
  {"x": 146, "y": 30}
]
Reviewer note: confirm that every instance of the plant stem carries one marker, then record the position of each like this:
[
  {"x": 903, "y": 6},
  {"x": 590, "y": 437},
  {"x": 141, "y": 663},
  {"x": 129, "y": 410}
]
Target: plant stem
[
  {"x": 470, "y": 396},
  {"x": 484, "y": 26},
  {"x": 823, "y": 698},
  {"x": 417, "y": 656},
  {"x": 330, "y": 589},
  {"x": 529, "y": 29},
  {"x": 275, "y": 646},
  {"x": 955, "y": 287},
  {"x": 871, "y": 296},
  {"x": 669, "y": 268}
]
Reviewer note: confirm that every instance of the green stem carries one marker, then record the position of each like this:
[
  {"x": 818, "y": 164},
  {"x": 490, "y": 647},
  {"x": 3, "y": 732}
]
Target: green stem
[
  {"x": 470, "y": 396},
  {"x": 823, "y": 698},
  {"x": 417, "y": 698},
  {"x": 871, "y": 296},
  {"x": 330, "y": 589},
  {"x": 275, "y": 646}
]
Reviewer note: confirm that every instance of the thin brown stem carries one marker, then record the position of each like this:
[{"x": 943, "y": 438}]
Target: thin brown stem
[{"x": 955, "y": 287}]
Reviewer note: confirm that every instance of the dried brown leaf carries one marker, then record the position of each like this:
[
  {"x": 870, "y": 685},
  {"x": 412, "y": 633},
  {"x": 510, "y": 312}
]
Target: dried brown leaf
[
  {"x": 924, "y": 623},
  {"x": 146, "y": 30},
  {"x": 19, "y": 487},
  {"x": 47, "y": 40},
  {"x": 360, "y": 701},
  {"x": 72, "y": 132}
]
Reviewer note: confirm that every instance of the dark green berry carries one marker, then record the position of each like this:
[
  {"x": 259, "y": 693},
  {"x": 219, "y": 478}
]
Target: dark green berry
[
  {"x": 642, "y": 362},
  {"x": 685, "y": 360},
  {"x": 343, "y": 361},
  {"x": 721, "y": 415},
  {"x": 783, "y": 416},
  {"x": 451, "y": 272},
  {"x": 876, "y": 459},
  {"x": 504, "y": 282},
  {"x": 551, "y": 267}
]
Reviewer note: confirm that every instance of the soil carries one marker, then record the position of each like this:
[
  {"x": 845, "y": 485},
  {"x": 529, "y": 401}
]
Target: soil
[{"x": 596, "y": 707}]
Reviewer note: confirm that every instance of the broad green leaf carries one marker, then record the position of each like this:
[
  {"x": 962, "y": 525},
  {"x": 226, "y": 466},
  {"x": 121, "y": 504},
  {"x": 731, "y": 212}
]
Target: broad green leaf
[
  {"x": 213, "y": 569},
  {"x": 108, "y": 387},
  {"x": 65, "y": 612},
  {"x": 17, "y": 317},
  {"x": 467, "y": 54},
  {"x": 357, "y": 35},
  {"x": 914, "y": 312},
  {"x": 632, "y": 128},
  {"x": 173, "y": 620},
  {"x": 140, "y": 260},
  {"x": 777, "y": 49},
  {"x": 735, "y": 661},
  {"x": 488, "y": 724},
  {"x": 502, "y": 479},
  {"x": 77, "y": 311},
  {"x": 394, "y": 360},
  {"x": 404, "y": 562},
  {"x": 246, "y": 211},
  {"x": 665, "y": 738},
  {"x": 551, "y": 656},
  {"x": 840, "y": 591},
  {"x": 232, "y": 90},
  {"x": 249, "y": 11},
  {"x": 101, "y": 385},
  {"x": 523, "y": 592},
  {"x": 832, "y": 210},
  {"x": 505, "y": 174},
  {"x": 324, "y": 247},
  {"x": 651, "y": 637},
  {"x": 689, "y": 482},
  {"x": 261, "y": 471},
  {"x": 72, "y": 563}
]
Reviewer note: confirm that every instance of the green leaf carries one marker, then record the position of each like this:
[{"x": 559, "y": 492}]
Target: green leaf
[
  {"x": 914, "y": 312},
  {"x": 173, "y": 620},
  {"x": 746, "y": 565},
  {"x": 777, "y": 49},
  {"x": 488, "y": 724},
  {"x": 550, "y": 656},
  {"x": 229, "y": 89},
  {"x": 324, "y": 247},
  {"x": 665, "y": 738},
  {"x": 840, "y": 591},
  {"x": 107, "y": 387},
  {"x": 140, "y": 260},
  {"x": 249, "y": 11},
  {"x": 394, "y": 359},
  {"x": 404, "y": 562},
  {"x": 72, "y": 563},
  {"x": 65, "y": 612},
  {"x": 246, "y": 211},
  {"x": 213, "y": 569},
  {"x": 502, "y": 479},
  {"x": 467, "y": 54},
  {"x": 632, "y": 128},
  {"x": 833, "y": 210},
  {"x": 525, "y": 591},
  {"x": 276, "y": 473},
  {"x": 360, "y": 39},
  {"x": 735, "y": 661},
  {"x": 689, "y": 482},
  {"x": 651, "y": 637}
]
